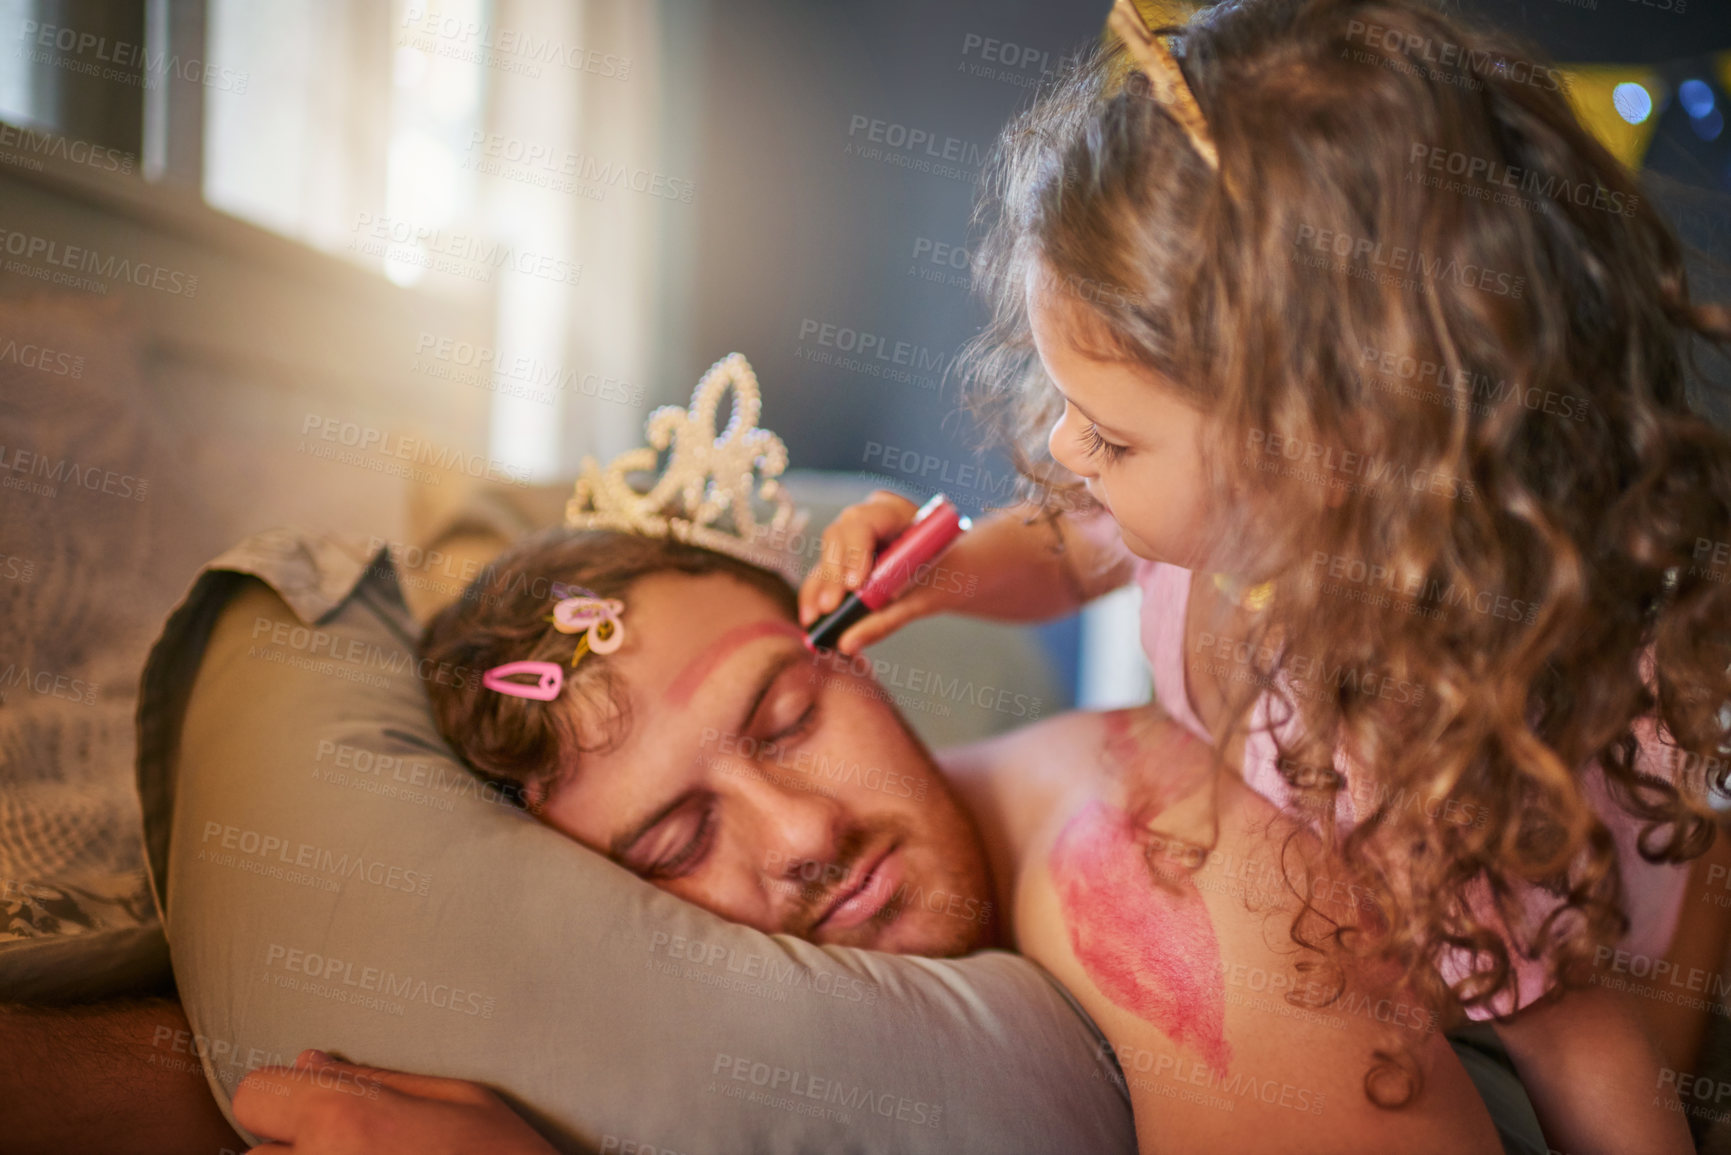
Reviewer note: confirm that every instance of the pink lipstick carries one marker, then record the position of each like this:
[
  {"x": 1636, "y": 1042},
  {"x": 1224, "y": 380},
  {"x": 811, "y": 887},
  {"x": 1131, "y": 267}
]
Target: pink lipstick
[
  {"x": 1147, "y": 943},
  {"x": 935, "y": 526}
]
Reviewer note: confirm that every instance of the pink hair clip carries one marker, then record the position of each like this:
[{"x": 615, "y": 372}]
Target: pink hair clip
[
  {"x": 578, "y": 611},
  {"x": 549, "y": 680},
  {"x": 596, "y": 618}
]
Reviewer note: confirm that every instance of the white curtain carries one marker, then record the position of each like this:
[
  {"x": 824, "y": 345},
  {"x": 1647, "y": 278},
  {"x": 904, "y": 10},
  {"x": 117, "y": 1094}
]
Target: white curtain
[{"x": 428, "y": 137}]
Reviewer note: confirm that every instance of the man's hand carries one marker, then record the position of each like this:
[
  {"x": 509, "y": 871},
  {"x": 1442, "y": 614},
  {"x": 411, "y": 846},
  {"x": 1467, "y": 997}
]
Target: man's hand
[{"x": 321, "y": 1106}]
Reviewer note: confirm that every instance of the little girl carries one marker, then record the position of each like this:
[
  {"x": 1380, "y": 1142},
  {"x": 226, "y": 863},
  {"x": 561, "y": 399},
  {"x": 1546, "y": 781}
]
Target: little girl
[{"x": 1371, "y": 363}]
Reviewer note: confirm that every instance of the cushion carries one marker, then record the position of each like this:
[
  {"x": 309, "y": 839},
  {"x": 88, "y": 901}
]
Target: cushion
[
  {"x": 329, "y": 875},
  {"x": 99, "y": 539},
  {"x": 128, "y": 458}
]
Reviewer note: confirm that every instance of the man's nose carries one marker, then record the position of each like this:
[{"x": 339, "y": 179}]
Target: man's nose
[{"x": 798, "y": 828}]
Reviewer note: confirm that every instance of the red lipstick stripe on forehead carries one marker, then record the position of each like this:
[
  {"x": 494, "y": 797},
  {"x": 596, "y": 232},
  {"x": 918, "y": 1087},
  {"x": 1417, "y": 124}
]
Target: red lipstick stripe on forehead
[{"x": 679, "y": 690}]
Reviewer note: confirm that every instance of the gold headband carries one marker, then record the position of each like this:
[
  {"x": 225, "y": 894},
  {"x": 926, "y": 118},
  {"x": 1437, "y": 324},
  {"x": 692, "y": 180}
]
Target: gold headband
[{"x": 1165, "y": 80}]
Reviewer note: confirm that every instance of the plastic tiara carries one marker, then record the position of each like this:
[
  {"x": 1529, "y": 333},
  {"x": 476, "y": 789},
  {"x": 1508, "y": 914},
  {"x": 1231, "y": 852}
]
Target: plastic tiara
[
  {"x": 710, "y": 476},
  {"x": 1166, "y": 83}
]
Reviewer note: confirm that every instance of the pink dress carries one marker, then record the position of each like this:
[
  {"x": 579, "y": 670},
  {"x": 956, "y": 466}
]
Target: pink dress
[{"x": 1653, "y": 895}]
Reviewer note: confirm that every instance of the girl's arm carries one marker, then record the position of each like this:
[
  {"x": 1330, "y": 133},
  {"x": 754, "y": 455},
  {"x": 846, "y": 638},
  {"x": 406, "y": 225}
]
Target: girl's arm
[
  {"x": 1006, "y": 568},
  {"x": 1595, "y": 1076}
]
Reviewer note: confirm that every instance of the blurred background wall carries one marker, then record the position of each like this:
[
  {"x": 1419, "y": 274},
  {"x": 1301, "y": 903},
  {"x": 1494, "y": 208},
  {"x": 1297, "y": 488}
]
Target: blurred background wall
[{"x": 498, "y": 232}]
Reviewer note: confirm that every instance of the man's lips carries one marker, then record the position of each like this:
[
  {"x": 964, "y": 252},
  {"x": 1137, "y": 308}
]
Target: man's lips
[{"x": 859, "y": 902}]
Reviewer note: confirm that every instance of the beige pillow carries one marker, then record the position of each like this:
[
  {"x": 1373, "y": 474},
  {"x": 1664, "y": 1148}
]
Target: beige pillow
[{"x": 330, "y": 876}]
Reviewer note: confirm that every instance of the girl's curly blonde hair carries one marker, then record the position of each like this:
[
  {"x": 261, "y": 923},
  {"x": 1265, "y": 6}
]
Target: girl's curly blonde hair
[{"x": 1444, "y": 342}]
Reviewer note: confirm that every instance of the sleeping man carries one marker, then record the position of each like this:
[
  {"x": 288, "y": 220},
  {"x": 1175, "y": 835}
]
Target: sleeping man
[{"x": 685, "y": 743}]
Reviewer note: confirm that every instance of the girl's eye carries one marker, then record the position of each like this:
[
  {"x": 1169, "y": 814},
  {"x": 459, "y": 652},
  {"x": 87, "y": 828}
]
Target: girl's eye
[
  {"x": 681, "y": 842},
  {"x": 1097, "y": 446}
]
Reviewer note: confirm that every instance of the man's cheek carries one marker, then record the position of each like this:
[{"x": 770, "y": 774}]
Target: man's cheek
[{"x": 560, "y": 810}]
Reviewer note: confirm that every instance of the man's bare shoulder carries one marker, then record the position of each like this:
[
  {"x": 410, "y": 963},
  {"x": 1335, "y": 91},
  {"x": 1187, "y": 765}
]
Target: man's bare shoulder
[
  {"x": 1054, "y": 747},
  {"x": 1012, "y": 782},
  {"x": 1228, "y": 1039}
]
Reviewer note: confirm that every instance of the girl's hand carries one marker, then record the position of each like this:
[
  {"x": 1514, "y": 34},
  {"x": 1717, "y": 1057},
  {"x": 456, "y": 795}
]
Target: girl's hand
[
  {"x": 850, "y": 546},
  {"x": 1005, "y": 569},
  {"x": 321, "y": 1106}
]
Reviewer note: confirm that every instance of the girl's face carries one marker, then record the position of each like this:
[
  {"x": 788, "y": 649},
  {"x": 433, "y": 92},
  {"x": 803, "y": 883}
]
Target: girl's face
[{"x": 1130, "y": 438}]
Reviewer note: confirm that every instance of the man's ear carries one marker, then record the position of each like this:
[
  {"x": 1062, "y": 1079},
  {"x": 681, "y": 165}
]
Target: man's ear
[{"x": 535, "y": 795}]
